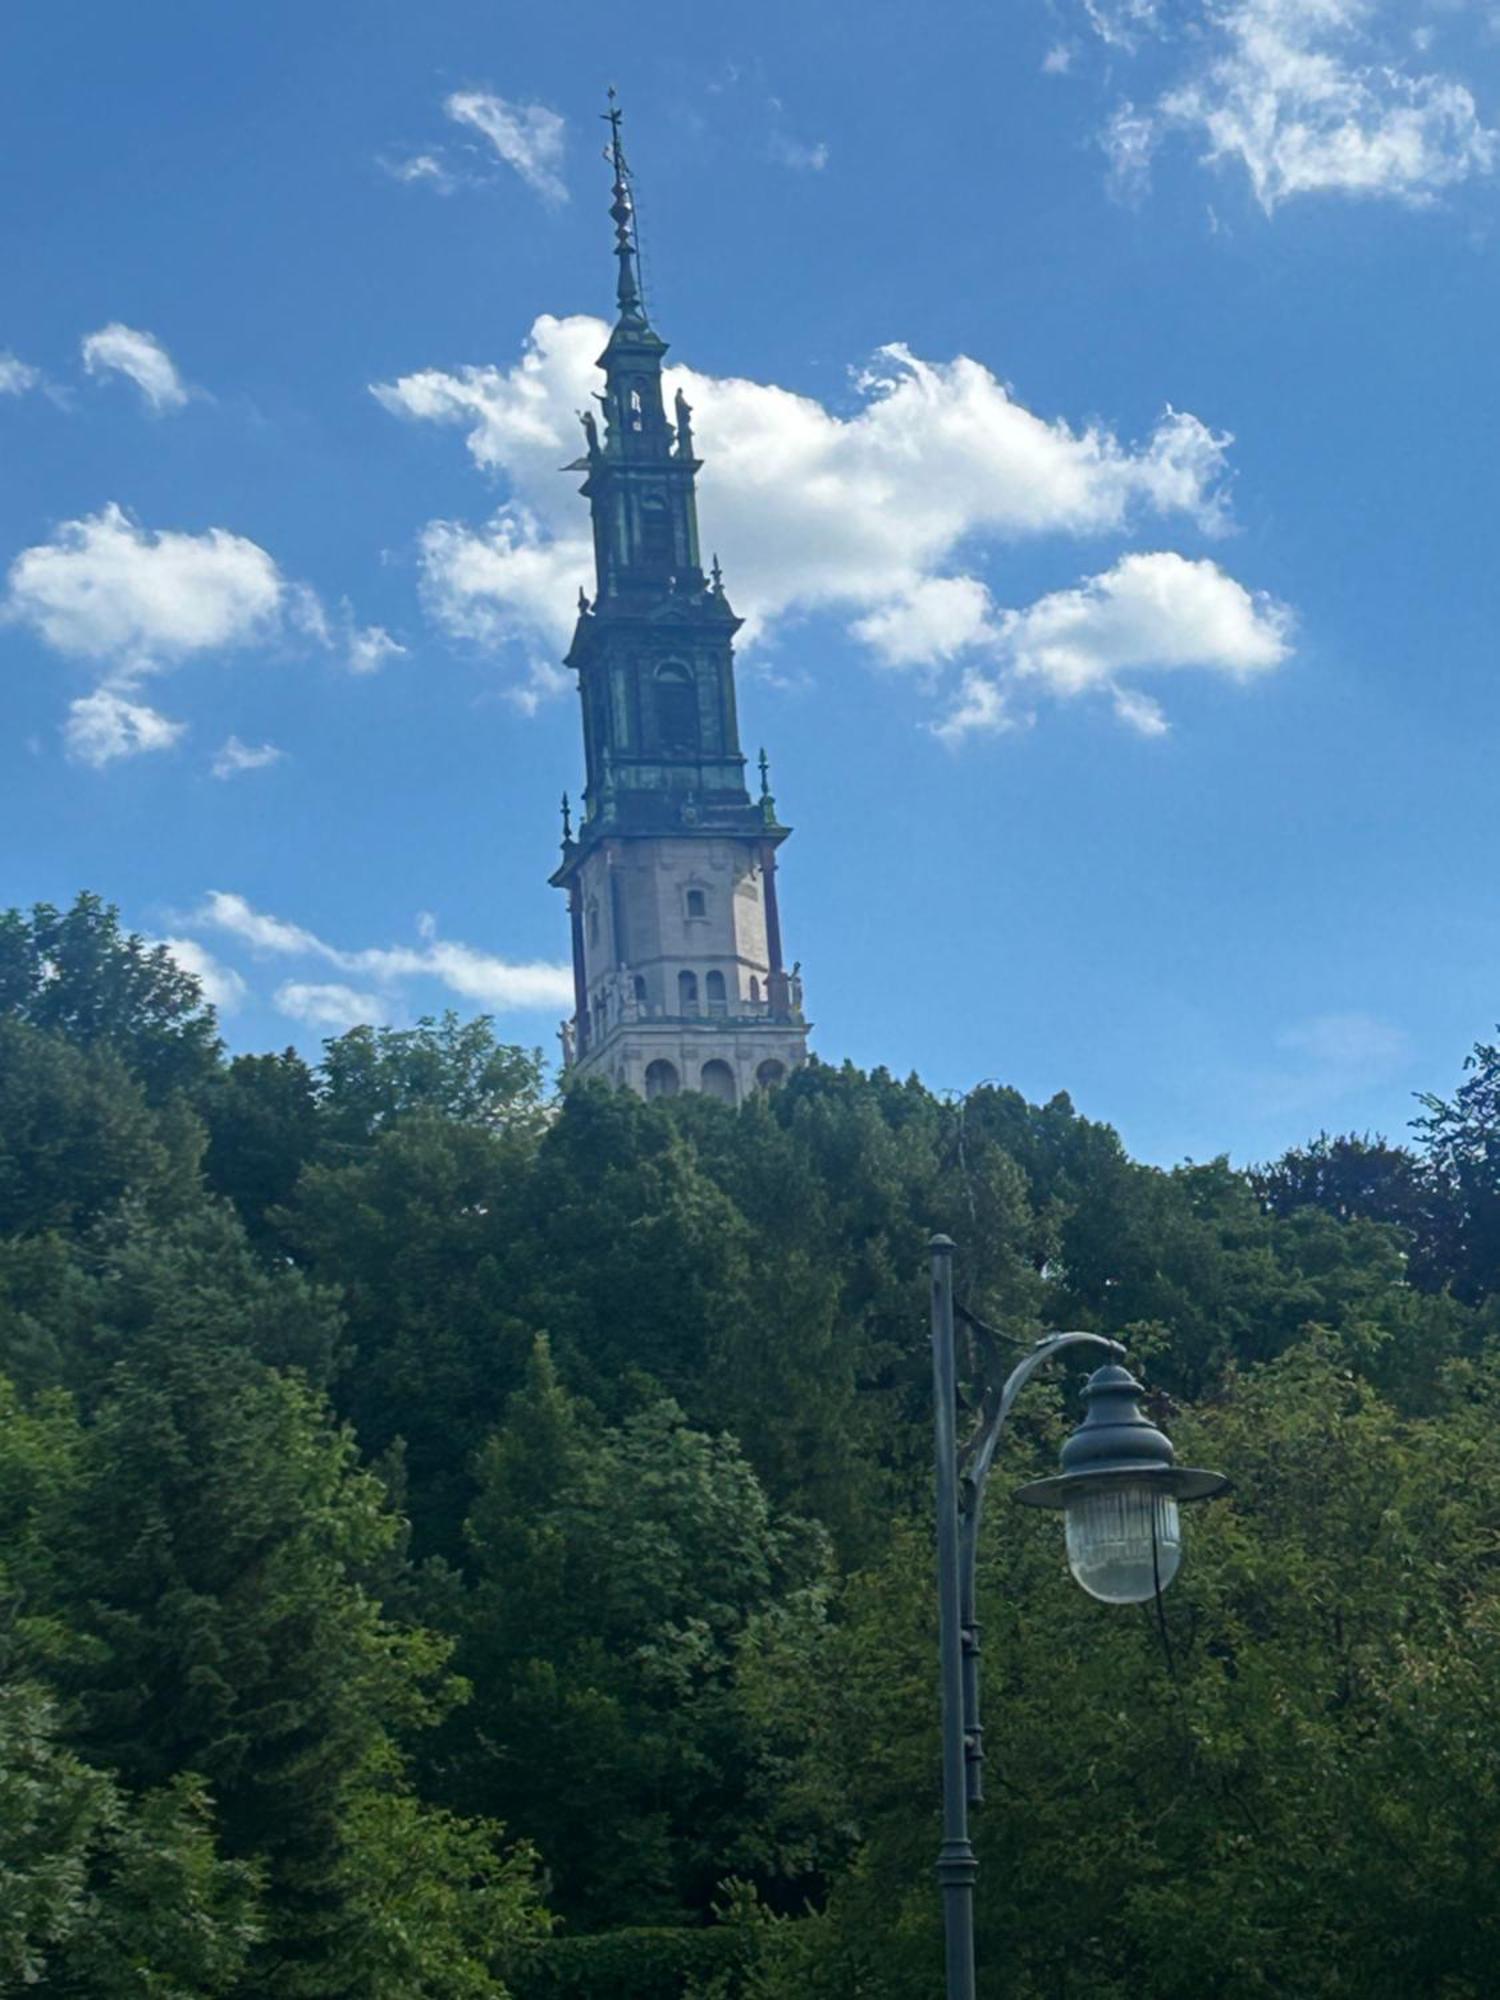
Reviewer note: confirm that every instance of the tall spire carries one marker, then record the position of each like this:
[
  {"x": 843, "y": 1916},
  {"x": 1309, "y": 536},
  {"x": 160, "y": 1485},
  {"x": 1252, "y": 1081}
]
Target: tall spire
[{"x": 627, "y": 244}]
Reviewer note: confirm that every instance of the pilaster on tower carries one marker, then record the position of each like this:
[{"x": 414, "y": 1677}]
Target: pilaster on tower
[{"x": 671, "y": 879}]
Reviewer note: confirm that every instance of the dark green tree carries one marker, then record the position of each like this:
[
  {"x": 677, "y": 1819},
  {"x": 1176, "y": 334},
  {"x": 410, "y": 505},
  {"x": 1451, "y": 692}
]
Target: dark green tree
[
  {"x": 77, "y": 1136},
  {"x": 77, "y": 973},
  {"x": 1461, "y": 1140},
  {"x": 621, "y": 1571},
  {"x": 262, "y": 1115}
]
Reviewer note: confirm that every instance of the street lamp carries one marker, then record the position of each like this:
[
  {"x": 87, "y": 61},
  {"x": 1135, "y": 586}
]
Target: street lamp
[{"x": 1120, "y": 1489}]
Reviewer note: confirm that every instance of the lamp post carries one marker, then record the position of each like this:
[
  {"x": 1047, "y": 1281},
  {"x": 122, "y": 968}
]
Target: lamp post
[{"x": 1119, "y": 1491}]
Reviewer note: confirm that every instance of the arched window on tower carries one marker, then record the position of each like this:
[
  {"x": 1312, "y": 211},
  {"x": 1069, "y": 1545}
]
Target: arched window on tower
[
  {"x": 754, "y": 990},
  {"x": 718, "y": 1081},
  {"x": 641, "y": 995},
  {"x": 636, "y": 409},
  {"x": 657, "y": 551},
  {"x": 697, "y": 903},
  {"x": 713, "y": 986},
  {"x": 662, "y": 1079},
  {"x": 676, "y": 708},
  {"x": 687, "y": 992}
]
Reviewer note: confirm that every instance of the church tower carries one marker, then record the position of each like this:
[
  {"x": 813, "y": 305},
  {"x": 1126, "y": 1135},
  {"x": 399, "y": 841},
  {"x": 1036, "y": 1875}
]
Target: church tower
[{"x": 678, "y": 977}]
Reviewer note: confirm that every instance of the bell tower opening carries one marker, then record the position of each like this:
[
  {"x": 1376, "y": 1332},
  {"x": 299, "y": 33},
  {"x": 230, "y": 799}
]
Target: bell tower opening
[{"x": 676, "y": 710}]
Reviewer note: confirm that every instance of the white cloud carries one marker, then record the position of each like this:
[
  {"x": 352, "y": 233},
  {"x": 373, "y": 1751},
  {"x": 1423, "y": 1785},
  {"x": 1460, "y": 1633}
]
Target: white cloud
[
  {"x": 137, "y": 602},
  {"x": 368, "y": 647},
  {"x": 1058, "y": 60},
  {"x": 1129, "y": 141},
  {"x": 1155, "y": 613},
  {"x": 1305, "y": 97},
  {"x": 329, "y": 1006},
  {"x": 106, "y": 725},
  {"x": 16, "y": 377},
  {"x": 862, "y": 514},
  {"x": 222, "y": 910},
  {"x": 938, "y": 618},
  {"x": 1158, "y": 610},
  {"x": 232, "y": 757},
  {"x": 527, "y": 137},
  {"x": 1289, "y": 104},
  {"x": 500, "y": 985},
  {"x": 1122, "y": 23},
  {"x": 513, "y": 579},
  {"x": 544, "y": 681},
  {"x": 422, "y": 169},
  {"x": 223, "y": 988},
  {"x": 798, "y": 154},
  {"x": 364, "y": 648},
  {"x": 125, "y": 350},
  {"x": 496, "y": 983},
  {"x": 980, "y": 708},
  {"x": 1354, "y": 1042},
  {"x": 105, "y": 588}
]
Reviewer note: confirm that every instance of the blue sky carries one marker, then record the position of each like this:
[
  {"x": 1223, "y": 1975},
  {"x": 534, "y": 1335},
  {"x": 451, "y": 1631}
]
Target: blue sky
[{"x": 1099, "y": 410}]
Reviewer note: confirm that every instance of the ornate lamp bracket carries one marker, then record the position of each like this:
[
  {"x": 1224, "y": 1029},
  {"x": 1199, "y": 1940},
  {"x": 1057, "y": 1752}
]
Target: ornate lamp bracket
[{"x": 975, "y": 1459}]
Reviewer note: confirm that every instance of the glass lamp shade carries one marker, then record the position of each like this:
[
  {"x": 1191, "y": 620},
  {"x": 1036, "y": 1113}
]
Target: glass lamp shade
[{"x": 1124, "y": 1541}]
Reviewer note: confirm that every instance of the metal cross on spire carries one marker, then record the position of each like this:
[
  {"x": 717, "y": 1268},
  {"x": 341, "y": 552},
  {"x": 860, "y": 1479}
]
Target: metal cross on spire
[{"x": 627, "y": 242}]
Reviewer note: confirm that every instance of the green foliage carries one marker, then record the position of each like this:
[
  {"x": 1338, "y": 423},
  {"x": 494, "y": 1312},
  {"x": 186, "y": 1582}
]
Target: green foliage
[
  {"x": 77, "y": 1136},
  {"x": 1462, "y": 1144},
  {"x": 262, "y": 1115},
  {"x": 420, "y": 1235},
  {"x": 77, "y": 974},
  {"x": 428, "y": 1517},
  {"x": 451, "y": 1068},
  {"x": 622, "y": 1575},
  {"x": 104, "y": 1897},
  {"x": 635, "y": 1963},
  {"x": 433, "y": 1902}
]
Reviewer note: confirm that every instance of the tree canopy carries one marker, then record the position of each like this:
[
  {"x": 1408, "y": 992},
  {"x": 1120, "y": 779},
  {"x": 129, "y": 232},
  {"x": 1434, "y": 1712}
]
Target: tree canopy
[{"x": 458, "y": 1543}]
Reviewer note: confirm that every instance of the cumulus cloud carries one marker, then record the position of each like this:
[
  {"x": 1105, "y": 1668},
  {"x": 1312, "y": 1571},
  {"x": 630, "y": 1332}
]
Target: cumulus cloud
[
  {"x": 1305, "y": 98},
  {"x": 528, "y": 137},
  {"x": 498, "y": 984},
  {"x": 329, "y": 1005},
  {"x": 141, "y": 358},
  {"x": 136, "y": 602},
  {"x": 105, "y": 588},
  {"x": 106, "y": 725},
  {"x": 232, "y": 757},
  {"x": 865, "y": 514},
  {"x": 16, "y": 377},
  {"x": 936, "y": 619},
  {"x": 223, "y": 988},
  {"x": 1152, "y": 613}
]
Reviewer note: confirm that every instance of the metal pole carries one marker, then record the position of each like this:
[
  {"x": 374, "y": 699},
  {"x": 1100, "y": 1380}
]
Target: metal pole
[
  {"x": 969, "y": 1639},
  {"x": 957, "y": 1867}
]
